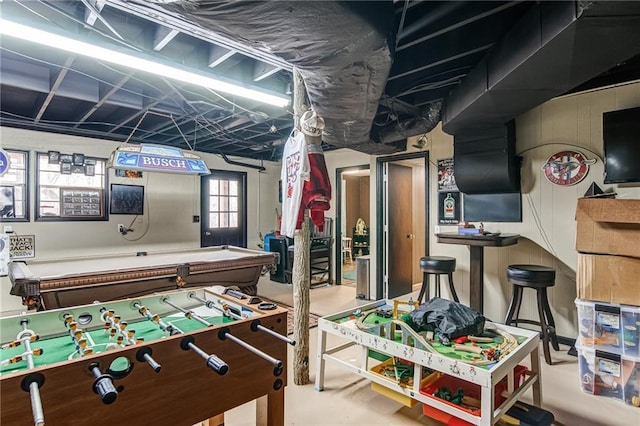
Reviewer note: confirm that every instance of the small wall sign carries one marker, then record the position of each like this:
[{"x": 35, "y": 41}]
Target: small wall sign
[
  {"x": 4, "y": 162},
  {"x": 22, "y": 246},
  {"x": 566, "y": 168}
]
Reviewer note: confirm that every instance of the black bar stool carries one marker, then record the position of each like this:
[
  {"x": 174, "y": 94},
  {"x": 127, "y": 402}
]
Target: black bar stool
[
  {"x": 437, "y": 265},
  {"x": 537, "y": 278}
]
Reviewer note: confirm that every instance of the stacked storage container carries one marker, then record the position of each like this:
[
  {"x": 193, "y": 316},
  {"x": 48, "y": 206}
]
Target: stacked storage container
[{"x": 608, "y": 301}]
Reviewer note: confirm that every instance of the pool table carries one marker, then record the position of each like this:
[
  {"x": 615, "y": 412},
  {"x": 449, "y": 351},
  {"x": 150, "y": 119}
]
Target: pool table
[{"x": 76, "y": 281}]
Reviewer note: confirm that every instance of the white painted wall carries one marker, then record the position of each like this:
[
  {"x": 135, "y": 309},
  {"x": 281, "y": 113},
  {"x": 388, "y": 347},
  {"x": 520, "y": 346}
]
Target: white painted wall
[
  {"x": 171, "y": 201},
  {"x": 548, "y": 224}
]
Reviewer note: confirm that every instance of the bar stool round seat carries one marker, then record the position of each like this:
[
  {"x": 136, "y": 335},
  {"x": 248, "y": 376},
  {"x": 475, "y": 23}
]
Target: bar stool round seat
[
  {"x": 437, "y": 266},
  {"x": 538, "y": 278}
]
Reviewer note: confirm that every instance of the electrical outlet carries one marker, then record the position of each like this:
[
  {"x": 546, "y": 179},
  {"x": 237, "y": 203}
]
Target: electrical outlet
[
  {"x": 121, "y": 228},
  {"x": 8, "y": 229}
]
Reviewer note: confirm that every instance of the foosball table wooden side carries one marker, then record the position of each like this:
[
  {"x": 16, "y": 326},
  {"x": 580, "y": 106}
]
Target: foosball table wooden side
[{"x": 185, "y": 391}]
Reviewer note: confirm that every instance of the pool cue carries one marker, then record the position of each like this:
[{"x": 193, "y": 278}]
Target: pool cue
[
  {"x": 211, "y": 305},
  {"x": 255, "y": 326},
  {"x": 212, "y": 361},
  {"x": 225, "y": 333},
  {"x": 34, "y": 386},
  {"x": 145, "y": 355},
  {"x": 188, "y": 314}
]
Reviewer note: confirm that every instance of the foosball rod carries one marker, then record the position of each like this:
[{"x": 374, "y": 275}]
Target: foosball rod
[
  {"x": 212, "y": 361},
  {"x": 255, "y": 326},
  {"x": 142, "y": 355},
  {"x": 211, "y": 305},
  {"x": 188, "y": 314},
  {"x": 34, "y": 387},
  {"x": 225, "y": 334}
]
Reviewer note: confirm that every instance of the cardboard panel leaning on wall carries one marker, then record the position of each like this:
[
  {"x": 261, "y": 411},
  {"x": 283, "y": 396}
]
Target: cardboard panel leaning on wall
[
  {"x": 608, "y": 226},
  {"x": 612, "y": 279}
]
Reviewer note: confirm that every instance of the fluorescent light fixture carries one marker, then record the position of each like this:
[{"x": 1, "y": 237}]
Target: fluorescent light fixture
[{"x": 23, "y": 32}]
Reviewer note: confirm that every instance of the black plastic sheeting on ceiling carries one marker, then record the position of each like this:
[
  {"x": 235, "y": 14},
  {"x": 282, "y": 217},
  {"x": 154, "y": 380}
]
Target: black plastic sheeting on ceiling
[{"x": 342, "y": 50}]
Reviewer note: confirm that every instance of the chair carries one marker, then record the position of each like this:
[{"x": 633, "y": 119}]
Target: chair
[
  {"x": 538, "y": 278},
  {"x": 346, "y": 249},
  {"x": 437, "y": 265}
]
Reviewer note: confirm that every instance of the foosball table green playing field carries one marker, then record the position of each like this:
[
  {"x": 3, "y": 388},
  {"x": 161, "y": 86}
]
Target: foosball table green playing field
[{"x": 170, "y": 358}]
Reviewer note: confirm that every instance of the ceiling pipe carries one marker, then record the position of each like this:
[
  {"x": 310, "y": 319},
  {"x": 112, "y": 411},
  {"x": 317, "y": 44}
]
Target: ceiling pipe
[{"x": 238, "y": 163}]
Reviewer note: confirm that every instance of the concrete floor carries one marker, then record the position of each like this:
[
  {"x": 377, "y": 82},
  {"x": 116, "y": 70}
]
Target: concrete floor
[{"x": 347, "y": 399}]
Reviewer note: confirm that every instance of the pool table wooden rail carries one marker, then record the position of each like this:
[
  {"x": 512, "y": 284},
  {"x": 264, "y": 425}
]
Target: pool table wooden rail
[{"x": 76, "y": 281}]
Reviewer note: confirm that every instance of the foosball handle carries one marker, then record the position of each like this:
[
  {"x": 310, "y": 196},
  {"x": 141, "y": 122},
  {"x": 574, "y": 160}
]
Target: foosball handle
[
  {"x": 32, "y": 384},
  {"x": 103, "y": 385},
  {"x": 212, "y": 361},
  {"x": 144, "y": 355}
]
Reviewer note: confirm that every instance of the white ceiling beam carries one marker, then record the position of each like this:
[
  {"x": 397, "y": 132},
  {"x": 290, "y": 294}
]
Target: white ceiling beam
[
  {"x": 163, "y": 36},
  {"x": 218, "y": 54},
  {"x": 90, "y": 16},
  {"x": 262, "y": 70}
]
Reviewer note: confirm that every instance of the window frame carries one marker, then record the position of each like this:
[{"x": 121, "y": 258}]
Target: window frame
[
  {"x": 26, "y": 193},
  {"x": 61, "y": 218}
]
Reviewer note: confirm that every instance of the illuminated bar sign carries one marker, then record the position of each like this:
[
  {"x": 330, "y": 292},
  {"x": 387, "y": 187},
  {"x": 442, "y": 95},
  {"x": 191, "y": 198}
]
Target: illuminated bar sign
[{"x": 156, "y": 158}]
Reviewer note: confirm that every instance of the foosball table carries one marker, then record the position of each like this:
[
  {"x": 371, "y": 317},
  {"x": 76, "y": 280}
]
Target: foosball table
[{"x": 173, "y": 358}]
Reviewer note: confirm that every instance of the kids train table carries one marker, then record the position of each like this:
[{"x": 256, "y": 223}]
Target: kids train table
[
  {"x": 371, "y": 328},
  {"x": 172, "y": 358}
]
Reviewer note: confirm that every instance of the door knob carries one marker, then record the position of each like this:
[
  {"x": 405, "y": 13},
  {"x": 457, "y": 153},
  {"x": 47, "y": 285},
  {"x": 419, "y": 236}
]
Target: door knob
[{"x": 207, "y": 233}]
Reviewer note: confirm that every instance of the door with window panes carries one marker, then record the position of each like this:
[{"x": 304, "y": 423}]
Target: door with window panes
[{"x": 224, "y": 202}]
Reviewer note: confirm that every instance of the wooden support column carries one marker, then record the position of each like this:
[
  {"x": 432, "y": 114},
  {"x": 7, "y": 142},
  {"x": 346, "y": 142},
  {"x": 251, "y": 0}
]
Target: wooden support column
[{"x": 300, "y": 275}]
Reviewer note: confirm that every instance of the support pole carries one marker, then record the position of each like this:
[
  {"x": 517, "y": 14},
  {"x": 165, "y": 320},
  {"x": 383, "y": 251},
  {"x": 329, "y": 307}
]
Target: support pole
[{"x": 300, "y": 275}]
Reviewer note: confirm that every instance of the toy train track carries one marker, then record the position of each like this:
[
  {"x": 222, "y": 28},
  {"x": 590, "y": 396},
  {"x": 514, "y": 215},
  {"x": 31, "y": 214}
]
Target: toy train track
[{"x": 508, "y": 343}]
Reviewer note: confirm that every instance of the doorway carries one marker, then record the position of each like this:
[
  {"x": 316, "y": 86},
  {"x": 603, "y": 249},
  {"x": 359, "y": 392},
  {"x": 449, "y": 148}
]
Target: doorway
[
  {"x": 223, "y": 209},
  {"x": 352, "y": 209},
  {"x": 402, "y": 190}
]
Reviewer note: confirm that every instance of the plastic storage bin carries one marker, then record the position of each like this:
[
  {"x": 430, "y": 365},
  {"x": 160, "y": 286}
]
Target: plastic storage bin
[
  {"x": 470, "y": 390},
  {"x": 428, "y": 377},
  {"x": 585, "y": 322},
  {"x": 600, "y": 326},
  {"x": 596, "y": 382},
  {"x": 630, "y": 330}
]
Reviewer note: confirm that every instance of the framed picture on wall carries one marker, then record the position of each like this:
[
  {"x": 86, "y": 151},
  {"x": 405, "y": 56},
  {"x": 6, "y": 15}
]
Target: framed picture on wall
[
  {"x": 54, "y": 157},
  {"x": 78, "y": 159}
]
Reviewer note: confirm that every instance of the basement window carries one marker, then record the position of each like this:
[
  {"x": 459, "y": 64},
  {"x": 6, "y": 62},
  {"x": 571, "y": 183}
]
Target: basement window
[
  {"x": 14, "y": 189},
  {"x": 70, "y": 187}
]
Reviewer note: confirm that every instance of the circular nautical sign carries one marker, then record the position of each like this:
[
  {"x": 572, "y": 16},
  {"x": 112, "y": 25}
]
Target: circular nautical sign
[
  {"x": 4, "y": 162},
  {"x": 566, "y": 167}
]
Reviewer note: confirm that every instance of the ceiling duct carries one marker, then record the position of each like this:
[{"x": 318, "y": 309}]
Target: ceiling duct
[
  {"x": 342, "y": 50},
  {"x": 426, "y": 122},
  {"x": 555, "y": 47},
  {"x": 486, "y": 161}
]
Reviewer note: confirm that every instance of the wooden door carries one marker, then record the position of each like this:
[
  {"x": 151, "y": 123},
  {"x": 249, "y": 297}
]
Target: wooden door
[
  {"x": 400, "y": 221},
  {"x": 224, "y": 205}
]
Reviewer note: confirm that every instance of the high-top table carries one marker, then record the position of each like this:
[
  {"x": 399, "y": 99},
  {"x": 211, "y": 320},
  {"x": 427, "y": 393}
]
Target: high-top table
[{"x": 477, "y": 243}]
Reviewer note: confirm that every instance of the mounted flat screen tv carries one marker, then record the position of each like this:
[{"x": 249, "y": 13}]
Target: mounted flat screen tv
[{"x": 621, "y": 134}]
